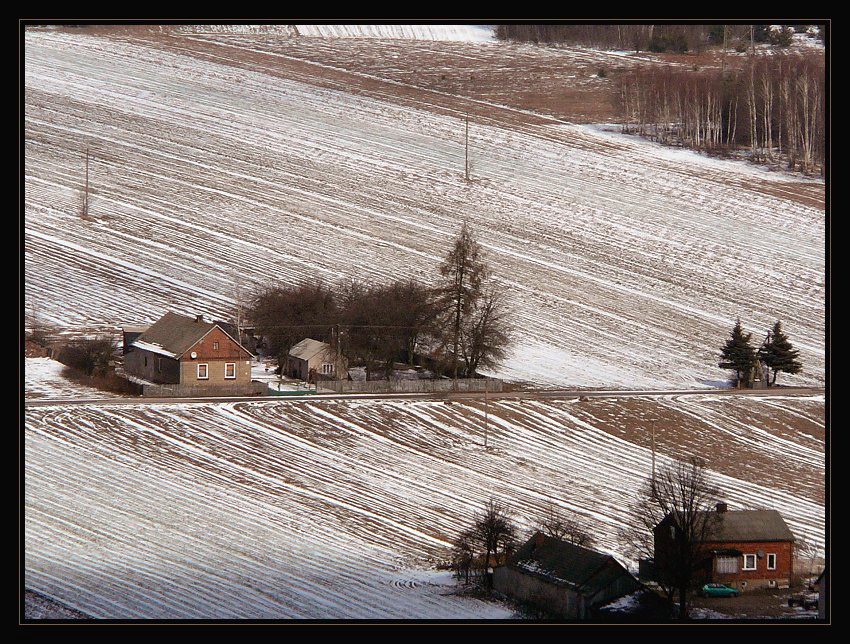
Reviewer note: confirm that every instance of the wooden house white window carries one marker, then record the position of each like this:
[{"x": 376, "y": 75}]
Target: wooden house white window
[
  {"x": 230, "y": 370},
  {"x": 749, "y": 562},
  {"x": 203, "y": 371},
  {"x": 771, "y": 561},
  {"x": 327, "y": 368}
]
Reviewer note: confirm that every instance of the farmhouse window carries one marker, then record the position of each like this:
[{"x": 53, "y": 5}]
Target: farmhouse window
[
  {"x": 229, "y": 369},
  {"x": 215, "y": 345},
  {"x": 203, "y": 371},
  {"x": 327, "y": 368},
  {"x": 727, "y": 564},
  {"x": 771, "y": 561},
  {"x": 749, "y": 562}
]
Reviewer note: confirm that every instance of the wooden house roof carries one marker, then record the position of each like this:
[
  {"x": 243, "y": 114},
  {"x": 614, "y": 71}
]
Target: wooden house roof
[{"x": 172, "y": 335}]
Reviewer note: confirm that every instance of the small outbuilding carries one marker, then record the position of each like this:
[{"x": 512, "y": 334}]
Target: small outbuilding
[
  {"x": 312, "y": 360},
  {"x": 562, "y": 579}
]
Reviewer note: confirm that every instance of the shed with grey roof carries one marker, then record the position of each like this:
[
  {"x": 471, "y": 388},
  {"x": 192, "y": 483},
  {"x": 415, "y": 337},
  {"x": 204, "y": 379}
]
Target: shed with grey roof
[
  {"x": 562, "y": 579},
  {"x": 312, "y": 360}
]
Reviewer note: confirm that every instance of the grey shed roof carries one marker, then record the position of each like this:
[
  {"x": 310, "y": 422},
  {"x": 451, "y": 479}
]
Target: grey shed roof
[
  {"x": 566, "y": 564},
  {"x": 173, "y": 335},
  {"x": 751, "y": 525},
  {"x": 307, "y": 348}
]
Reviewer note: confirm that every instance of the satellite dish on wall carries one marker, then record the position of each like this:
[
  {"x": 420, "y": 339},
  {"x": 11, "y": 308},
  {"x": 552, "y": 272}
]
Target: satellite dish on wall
[
  {"x": 194, "y": 354},
  {"x": 760, "y": 554}
]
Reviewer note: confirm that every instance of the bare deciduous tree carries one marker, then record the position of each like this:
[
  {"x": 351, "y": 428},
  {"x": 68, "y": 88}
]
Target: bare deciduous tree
[
  {"x": 89, "y": 355},
  {"x": 673, "y": 518},
  {"x": 561, "y": 526},
  {"x": 485, "y": 332},
  {"x": 286, "y": 315},
  {"x": 485, "y": 543}
]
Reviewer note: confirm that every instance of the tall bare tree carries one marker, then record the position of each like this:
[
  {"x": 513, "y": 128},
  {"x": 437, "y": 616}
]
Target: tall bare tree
[
  {"x": 486, "y": 332},
  {"x": 484, "y": 543},
  {"x": 673, "y": 518},
  {"x": 560, "y": 525}
]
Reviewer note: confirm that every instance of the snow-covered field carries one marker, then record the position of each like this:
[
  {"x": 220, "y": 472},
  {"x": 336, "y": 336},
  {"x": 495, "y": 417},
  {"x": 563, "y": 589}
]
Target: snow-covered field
[
  {"x": 625, "y": 267},
  {"x": 224, "y": 162},
  {"x": 331, "y": 509},
  {"x": 43, "y": 379},
  {"x": 464, "y": 33}
]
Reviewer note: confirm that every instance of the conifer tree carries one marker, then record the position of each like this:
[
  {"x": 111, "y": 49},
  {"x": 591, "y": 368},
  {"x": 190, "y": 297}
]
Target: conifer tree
[
  {"x": 778, "y": 354},
  {"x": 738, "y": 354},
  {"x": 463, "y": 272}
]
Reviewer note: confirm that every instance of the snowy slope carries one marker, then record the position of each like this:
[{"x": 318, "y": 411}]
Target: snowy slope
[
  {"x": 343, "y": 509},
  {"x": 465, "y": 33},
  {"x": 624, "y": 266},
  {"x": 43, "y": 379}
]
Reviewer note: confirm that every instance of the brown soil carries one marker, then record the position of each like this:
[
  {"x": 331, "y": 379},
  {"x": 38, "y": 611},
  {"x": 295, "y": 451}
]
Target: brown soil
[{"x": 504, "y": 83}]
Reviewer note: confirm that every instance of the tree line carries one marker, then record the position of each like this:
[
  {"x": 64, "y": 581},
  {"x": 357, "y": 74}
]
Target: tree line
[
  {"x": 459, "y": 321},
  {"x": 772, "y": 105},
  {"x": 651, "y": 37}
]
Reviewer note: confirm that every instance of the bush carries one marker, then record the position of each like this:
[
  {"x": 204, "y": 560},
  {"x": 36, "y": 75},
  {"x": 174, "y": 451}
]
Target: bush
[
  {"x": 89, "y": 355},
  {"x": 782, "y": 38},
  {"x": 106, "y": 381},
  {"x": 675, "y": 43}
]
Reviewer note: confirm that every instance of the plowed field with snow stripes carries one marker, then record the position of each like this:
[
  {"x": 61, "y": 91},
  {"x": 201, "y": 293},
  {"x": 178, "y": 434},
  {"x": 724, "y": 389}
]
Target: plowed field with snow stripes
[
  {"x": 339, "y": 509},
  {"x": 224, "y": 162}
]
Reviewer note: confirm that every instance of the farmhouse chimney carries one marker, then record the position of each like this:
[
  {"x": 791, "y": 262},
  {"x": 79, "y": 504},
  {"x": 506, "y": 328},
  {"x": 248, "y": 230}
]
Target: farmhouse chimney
[
  {"x": 199, "y": 318},
  {"x": 721, "y": 507}
]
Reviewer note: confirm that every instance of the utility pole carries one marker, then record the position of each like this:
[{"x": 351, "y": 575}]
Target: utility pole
[
  {"x": 86, "y": 196},
  {"x": 486, "y": 410},
  {"x": 653, "y": 459},
  {"x": 466, "y": 148}
]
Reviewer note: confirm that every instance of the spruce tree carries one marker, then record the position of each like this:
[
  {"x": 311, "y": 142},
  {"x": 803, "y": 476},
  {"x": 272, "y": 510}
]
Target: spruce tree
[
  {"x": 738, "y": 354},
  {"x": 778, "y": 354}
]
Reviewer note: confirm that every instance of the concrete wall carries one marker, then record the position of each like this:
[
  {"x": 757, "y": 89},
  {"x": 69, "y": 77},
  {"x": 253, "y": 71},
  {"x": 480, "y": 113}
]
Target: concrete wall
[
  {"x": 188, "y": 391},
  {"x": 412, "y": 386}
]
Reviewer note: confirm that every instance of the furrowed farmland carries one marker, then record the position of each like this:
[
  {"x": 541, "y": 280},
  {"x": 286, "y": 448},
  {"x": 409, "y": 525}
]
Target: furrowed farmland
[
  {"x": 212, "y": 170},
  {"x": 341, "y": 508},
  {"x": 224, "y": 161}
]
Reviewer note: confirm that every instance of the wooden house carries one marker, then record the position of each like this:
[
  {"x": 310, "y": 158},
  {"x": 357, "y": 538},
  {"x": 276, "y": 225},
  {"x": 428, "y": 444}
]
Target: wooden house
[{"x": 183, "y": 350}]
